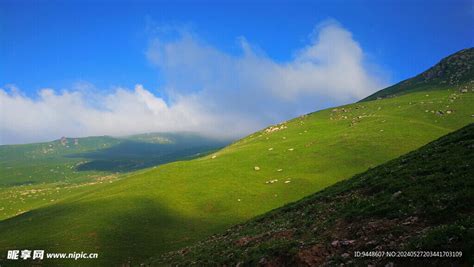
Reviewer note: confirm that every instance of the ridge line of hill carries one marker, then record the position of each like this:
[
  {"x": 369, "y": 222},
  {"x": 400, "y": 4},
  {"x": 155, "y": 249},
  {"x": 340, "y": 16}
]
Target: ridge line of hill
[{"x": 455, "y": 70}]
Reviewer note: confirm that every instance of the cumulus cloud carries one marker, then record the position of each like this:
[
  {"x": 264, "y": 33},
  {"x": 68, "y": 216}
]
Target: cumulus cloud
[{"x": 209, "y": 91}]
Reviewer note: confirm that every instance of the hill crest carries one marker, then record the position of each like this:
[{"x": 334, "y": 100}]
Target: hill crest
[{"x": 454, "y": 71}]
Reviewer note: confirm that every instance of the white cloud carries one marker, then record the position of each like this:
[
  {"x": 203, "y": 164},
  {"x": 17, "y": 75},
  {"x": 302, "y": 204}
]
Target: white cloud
[{"x": 211, "y": 92}]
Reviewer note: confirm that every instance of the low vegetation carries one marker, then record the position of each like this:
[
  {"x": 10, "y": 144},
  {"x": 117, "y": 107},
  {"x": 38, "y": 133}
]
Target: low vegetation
[
  {"x": 419, "y": 202},
  {"x": 36, "y": 175}
]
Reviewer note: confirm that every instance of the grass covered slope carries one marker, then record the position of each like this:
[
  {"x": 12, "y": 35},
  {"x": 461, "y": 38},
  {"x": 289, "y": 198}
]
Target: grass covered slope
[
  {"x": 36, "y": 175},
  {"x": 161, "y": 209},
  {"x": 48, "y": 162},
  {"x": 72, "y": 160},
  {"x": 454, "y": 71},
  {"x": 421, "y": 201}
]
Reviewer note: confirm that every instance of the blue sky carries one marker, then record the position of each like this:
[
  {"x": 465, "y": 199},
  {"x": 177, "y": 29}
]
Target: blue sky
[
  {"x": 105, "y": 45},
  {"x": 55, "y": 43}
]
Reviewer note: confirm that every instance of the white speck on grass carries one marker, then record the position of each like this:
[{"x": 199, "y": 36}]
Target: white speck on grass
[{"x": 271, "y": 181}]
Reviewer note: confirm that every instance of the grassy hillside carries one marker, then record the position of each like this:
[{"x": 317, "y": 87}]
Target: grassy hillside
[
  {"x": 49, "y": 161},
  {"x": 455, "y": 71},
  {"x": 421, "y": 201},
  {"x": 36, "y": 175},
  {"x": 161, "y": 209},
  {"x": 67, "y": 159}
]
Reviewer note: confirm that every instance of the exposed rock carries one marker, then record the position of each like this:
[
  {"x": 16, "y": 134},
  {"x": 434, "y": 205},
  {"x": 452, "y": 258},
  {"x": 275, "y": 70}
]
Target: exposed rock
[
  {"x": 396, "y": 194},
  {"x": 244, "y": 241},
  {"x": 313, "y": 256},
  {"x": 347, "y": 242},
  {"x": 410, "y": 220},
  {"x": 63, "y": 141}
]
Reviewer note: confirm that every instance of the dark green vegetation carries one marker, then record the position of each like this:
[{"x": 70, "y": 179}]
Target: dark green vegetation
[
  {"x": 419, "y": 202},
  {"x": 156, "y": 210},
  {"x": 146, "y": 150},
  {"x": 455, "y": 71}
]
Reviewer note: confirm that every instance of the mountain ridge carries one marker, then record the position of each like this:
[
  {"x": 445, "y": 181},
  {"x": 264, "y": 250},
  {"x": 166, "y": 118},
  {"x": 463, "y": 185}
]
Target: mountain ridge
[{"x": 453, "y": 71}]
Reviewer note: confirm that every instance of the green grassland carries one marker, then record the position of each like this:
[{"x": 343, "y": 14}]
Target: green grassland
[
  {"x": 36, "y": 175},
  {"x": 156, "y": 210},
  {"x": 48, "y": 162},
  {"x": 72, "y": 160},
  {"x": 421, "y": 201}
]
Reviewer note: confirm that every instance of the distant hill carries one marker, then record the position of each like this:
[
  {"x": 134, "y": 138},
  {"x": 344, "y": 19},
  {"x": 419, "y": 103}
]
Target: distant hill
[
  {"x": 80, "y": 159},
  {"x": 455, "y": 71},
  {"x": 421, "y": 201},
  {"x": 41, "y": 174}
]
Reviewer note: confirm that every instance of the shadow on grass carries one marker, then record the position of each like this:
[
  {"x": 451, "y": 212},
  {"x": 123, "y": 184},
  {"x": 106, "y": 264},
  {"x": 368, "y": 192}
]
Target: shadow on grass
[
  {"x": 122, "y": 231},
  {"x": 134, "y": 155}
]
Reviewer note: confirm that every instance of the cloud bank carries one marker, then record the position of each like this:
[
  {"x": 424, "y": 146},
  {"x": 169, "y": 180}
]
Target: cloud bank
[{"x": 208, "y": 91}]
